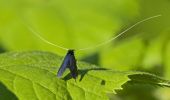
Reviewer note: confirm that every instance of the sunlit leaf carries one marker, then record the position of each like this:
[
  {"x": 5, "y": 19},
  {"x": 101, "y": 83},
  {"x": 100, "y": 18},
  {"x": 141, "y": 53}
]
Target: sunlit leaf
[{"x": 32, "y": 75}]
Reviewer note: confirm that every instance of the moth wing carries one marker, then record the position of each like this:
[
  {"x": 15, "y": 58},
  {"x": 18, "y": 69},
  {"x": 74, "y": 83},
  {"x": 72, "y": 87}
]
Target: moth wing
[
  {"x": 64, "y": 65},
  {"x": 73, "y": 67}
]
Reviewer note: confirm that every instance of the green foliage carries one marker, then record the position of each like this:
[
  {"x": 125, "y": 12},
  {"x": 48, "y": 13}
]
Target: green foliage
[
  {"x": 32, "y": 75},
  {"x": 72, "y": 24},
  {"x": 125, "y": 55},
  {"x": 79, "y": 24}
]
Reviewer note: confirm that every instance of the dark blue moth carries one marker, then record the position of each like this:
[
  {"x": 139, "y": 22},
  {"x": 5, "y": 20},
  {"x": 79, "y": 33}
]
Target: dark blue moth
[{"x": 69, "y": 62}]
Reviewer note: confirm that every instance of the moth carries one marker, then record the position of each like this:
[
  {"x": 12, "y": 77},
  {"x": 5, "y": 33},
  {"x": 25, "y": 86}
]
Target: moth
[{"x": 69, "y": 62}]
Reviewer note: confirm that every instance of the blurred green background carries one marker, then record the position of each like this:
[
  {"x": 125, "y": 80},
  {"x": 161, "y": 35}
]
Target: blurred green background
[{"x": 84, "y": 23}]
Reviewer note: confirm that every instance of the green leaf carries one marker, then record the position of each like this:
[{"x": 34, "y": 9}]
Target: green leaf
[
  {"x": 72, "y": 24},
  {"x": 159, "y": 25},
  {"x": 124, "y": 55},
  {"x": 32, "y": 75},
  {"x": 164, "y": 94},
  {"x": 158, "y": 53},
  {"x": 167, "y": 57}
]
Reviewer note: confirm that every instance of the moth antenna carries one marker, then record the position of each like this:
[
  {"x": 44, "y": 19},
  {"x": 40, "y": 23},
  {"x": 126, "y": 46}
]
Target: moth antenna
[
  {"x": 115, "y": 37},
  {"x": 46, "y": 41},
  {"x": 98, "y": 45}
]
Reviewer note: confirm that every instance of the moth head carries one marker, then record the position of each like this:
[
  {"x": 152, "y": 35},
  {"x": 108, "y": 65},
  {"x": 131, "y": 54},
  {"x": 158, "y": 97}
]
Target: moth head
[{"x": 71, "y": 51}]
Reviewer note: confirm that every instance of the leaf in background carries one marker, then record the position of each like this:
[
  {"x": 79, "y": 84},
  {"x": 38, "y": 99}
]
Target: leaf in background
[
  {"x": 156, "y": 29},
  {"x": 124, "y": 55},
  {"x": 32, "y": 75},
  {"x": 157, "y": 26},
  {"x": 73, "y": 24},
  {"x": 164, "y": 94},
  {"x": 167, "y": 59},
  {"x": 151, "y": 32},
  {"x": 154, "y": 60}
]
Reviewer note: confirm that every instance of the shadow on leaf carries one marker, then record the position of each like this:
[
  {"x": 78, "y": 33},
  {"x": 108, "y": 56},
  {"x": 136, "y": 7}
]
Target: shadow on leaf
[
  {"x": 5, "y": 94},
  {"x": 82, "y": 73}
]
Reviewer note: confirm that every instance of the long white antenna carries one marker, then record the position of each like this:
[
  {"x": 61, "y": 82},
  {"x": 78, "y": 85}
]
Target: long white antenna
[
  {"x": 115, "y": 37},
  {"x": 95, "y": 46},
  {"x": 37, "y": 34}
]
